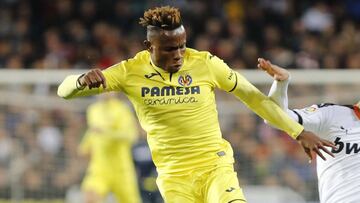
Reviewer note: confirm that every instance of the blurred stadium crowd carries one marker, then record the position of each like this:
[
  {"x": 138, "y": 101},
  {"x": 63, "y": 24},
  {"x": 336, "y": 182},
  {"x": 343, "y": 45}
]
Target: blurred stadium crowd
[
  {"x": 67, "y": 34},
  {"x": 64, "y": 34}
]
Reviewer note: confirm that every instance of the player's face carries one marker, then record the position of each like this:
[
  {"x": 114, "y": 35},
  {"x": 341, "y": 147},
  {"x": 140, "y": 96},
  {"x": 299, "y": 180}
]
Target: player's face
[{"x": 167, "y": 49}]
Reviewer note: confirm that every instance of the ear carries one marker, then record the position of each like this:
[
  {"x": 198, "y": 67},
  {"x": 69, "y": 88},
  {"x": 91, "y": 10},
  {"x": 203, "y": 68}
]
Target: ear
[{"x": 147, "y": 45}]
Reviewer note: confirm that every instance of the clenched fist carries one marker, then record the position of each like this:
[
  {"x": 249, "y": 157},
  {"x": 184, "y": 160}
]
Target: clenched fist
[{"x": 94, "y": 78}]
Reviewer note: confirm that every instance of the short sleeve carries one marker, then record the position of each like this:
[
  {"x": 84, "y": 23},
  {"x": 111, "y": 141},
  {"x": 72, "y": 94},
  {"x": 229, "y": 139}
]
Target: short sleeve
[{"x": 313, "y": 118}]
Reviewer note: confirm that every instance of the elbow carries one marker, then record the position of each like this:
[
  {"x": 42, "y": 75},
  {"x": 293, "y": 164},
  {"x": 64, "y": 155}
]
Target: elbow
[
  {"x": 61, "y": 93},
  {"x": 67, "y": 88}
]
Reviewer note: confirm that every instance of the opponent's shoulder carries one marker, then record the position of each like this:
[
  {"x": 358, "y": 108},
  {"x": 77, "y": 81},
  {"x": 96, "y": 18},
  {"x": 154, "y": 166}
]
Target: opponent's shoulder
[
  {"x": 324, "y": 107},
  {"x": 332, "y": 106}
]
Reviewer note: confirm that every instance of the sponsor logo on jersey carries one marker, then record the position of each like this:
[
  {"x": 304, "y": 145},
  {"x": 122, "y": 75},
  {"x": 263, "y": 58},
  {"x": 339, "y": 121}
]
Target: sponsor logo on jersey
[
  {"x": 169, "y": 91},
  {"x": 167, "y": 95},
  {"x": 344, "y": 129},
  {"x": 310, "y": 109},
  {"x": 348, "y": 147},
  {"x": 185, "y": 80}
]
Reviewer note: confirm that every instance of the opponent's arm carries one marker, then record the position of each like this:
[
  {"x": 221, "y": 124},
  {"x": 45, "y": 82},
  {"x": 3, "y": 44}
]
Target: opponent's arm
[
  {"x": 312, "y": 118},
  {"x": 278, "y": 93},
  {"x": 279, "y": 87}
]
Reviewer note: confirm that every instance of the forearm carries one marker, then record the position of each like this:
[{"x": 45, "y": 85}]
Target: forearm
[
  {"x": 266, "y": 108},
  {"x": 278, "y": 93},
  {"x": 68, "y": 89}
]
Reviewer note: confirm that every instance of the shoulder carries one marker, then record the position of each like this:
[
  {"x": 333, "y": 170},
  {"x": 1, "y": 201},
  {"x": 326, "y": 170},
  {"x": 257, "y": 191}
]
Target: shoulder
[
  {"x": 332, "y": 106},
  {"x": 129, "y": 64},
  {"x": 323, "y": 107},
  {"x": 141, "y": 58},
  {"x": 315, "y": 108},
  {"x": 194, "y": 54}
]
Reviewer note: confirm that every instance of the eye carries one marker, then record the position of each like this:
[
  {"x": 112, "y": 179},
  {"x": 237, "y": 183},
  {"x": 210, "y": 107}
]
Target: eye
[{"x": 170, "y": 48}]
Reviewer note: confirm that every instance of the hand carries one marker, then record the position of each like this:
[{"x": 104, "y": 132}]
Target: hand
[
  {"x": 94, "y": 78},
  {"x": 278, "y": 73},
  {"x": 312, "y": 143}
]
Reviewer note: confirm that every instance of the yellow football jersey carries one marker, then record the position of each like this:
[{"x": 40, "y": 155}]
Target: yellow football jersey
[
  {"x": 178, "y": 110},
  {"x": 111, "y": 132}
]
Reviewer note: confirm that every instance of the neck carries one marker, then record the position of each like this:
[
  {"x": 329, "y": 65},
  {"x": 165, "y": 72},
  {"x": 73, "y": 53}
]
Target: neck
[{"x": 152, "y": 61}]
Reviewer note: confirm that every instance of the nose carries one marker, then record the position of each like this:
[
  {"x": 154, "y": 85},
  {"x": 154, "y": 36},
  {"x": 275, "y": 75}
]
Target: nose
[{"x": 178, "y": 54}]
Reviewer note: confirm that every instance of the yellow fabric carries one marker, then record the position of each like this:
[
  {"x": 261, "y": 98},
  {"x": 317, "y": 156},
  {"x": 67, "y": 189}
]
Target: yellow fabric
[
  {"x": 111, "y": 131},
  {"x": 122, "y": 184},
  {"x": 212, "y": 185},
  {"x": 178, "y": 110}
]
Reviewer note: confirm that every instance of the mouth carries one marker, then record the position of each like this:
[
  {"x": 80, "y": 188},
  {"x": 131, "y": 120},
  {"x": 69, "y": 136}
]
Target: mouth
[{"x": 175, "y": 68}]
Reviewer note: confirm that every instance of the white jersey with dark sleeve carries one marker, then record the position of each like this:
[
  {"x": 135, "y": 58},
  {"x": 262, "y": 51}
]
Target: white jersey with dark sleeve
[{"x": 339, "y": 177}]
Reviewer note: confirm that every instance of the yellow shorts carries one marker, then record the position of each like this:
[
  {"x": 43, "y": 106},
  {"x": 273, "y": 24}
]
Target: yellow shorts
[
  {"x": 217, "y": 185},
  {"x": 124, "y": 187}
]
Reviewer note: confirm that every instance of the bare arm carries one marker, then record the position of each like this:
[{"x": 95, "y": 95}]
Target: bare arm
[
  {"x": 279, "y": 87},
  {"x": 278, "y": 93}
]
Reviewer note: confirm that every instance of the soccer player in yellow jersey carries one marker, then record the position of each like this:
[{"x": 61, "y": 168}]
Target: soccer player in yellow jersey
[
  {"x": 172, "y": 90},
  {"x": 108, "y": 141}
]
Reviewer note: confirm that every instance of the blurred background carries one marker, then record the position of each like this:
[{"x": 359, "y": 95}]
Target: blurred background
[{"x": 41, "y": 41}]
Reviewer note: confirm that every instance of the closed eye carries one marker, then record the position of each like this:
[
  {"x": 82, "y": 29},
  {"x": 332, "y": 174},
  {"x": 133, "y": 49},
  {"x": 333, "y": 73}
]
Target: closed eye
[{"x": 175, "y": 48}]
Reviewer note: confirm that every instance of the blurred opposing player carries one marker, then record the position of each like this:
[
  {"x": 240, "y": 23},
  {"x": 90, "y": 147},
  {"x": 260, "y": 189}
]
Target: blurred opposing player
[
  {"x": 172, "y": 90},
  {"x": 108, "y": 141},
  {"x": 338, "y": 177}
]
